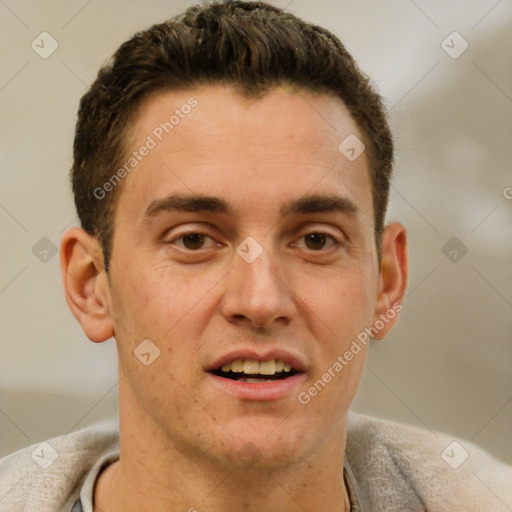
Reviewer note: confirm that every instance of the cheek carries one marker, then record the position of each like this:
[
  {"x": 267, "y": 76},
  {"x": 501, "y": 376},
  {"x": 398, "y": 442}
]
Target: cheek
[
  {"x": 154, "y": 297},
  {"x": 160, "y": 304},
  {"x": 340, "y": 304}
]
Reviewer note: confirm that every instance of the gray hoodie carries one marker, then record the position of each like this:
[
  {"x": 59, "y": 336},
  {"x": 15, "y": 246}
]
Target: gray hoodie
[{"x": 393, "y": 468}]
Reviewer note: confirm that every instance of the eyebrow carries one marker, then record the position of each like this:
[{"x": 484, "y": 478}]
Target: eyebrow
[
  {"x": 319, "y": 204},
  {"x": 201, "y": 203},
  {"x": 187, "y": 203}
]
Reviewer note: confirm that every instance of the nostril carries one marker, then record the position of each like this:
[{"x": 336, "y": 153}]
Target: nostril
[{"x": 243, "y": 318}]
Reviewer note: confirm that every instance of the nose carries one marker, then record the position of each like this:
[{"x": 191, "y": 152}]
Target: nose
[{"x": 256, "y": 294}]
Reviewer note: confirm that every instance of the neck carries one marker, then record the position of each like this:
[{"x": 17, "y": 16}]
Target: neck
[{"x": 153, "y": 474}]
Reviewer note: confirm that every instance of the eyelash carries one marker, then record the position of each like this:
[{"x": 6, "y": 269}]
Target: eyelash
[
  {"x": 328, "y": 236},
  {"x": 182, "y": 236}
]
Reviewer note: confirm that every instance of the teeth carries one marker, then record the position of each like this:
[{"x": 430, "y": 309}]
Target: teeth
[
  {"x": 253, "y": 367},
  {"x": 237, "y": 366},
  {"x": 267, "y": 367}
]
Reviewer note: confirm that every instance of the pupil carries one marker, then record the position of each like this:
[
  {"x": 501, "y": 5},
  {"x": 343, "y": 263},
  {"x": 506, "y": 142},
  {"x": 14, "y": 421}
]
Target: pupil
[
  {"x": 316, "y": 240},
  {"x": 193, "y": 241}
]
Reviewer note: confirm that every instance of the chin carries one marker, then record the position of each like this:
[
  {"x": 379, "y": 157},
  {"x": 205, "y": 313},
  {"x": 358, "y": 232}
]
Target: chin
[{"x": 269, "y": 445}]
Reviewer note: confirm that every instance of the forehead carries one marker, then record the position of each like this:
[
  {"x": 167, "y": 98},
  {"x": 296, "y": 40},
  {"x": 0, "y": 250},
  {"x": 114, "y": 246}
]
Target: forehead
[
  {"x": 215, "y": 141},
  {"x": 218, "y": 112}
]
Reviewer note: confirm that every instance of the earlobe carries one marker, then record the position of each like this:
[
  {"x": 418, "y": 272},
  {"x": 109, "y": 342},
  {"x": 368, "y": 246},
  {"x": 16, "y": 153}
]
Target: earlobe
[
  {"x": 394, "y": 273},
  {"x": 86, "y": 283}
]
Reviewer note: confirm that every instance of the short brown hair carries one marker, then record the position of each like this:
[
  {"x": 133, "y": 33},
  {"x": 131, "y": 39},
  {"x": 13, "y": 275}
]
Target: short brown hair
[{"x": 251, "y": 46}]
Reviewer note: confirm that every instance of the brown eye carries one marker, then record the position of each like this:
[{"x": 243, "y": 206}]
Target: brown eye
[
  {"x": 315, "y": 241},
  {"x": 193, "y": 241}
]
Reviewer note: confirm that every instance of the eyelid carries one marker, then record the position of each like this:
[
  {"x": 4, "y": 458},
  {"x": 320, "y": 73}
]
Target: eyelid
[
  {"x": 328, "y": 230},
  {"x": 335, "y": 234},
  {"x": 185, "y": 228},
  {"x": 178, "y": 234},
  {"x": 182, "y": 246},
  {"x": 334, "y": 239}
]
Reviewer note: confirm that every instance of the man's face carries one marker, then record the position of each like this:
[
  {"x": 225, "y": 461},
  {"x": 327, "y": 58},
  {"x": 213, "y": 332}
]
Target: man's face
[{"x": 185, "y": 275}]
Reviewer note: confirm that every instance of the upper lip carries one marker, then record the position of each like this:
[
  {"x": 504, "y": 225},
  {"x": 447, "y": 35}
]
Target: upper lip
[{"x": 260, "y": 355}]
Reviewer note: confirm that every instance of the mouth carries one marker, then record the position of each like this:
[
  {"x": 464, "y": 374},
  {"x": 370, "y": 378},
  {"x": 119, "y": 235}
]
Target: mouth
[
  {"x": 255, "y": 372},
  {"x": 247, "y": 375}
]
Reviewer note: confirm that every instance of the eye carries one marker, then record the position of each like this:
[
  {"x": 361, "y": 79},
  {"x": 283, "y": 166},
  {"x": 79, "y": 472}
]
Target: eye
[
  {"x": 316, "y": 241},
  {"x": 193, "y": 241}
]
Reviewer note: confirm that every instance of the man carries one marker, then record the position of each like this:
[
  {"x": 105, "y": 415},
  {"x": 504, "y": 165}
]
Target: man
[{"x": 231, "y": 174}]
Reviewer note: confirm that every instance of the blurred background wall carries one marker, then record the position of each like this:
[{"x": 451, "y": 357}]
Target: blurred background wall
[{"x": 444, "y": 68}]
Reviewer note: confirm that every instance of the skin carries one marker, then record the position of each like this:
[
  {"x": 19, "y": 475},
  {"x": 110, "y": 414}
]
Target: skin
[{"x": 185, "y": 443}]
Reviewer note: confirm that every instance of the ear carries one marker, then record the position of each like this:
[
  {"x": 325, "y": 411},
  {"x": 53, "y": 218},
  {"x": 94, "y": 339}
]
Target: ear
[
  {"x": 86, "y": 283},
  {"x": 394, "y": 274}
]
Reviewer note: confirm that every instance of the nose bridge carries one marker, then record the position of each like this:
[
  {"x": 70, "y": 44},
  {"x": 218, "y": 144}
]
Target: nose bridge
[
  {"x": 258, "y": 293},
  {"x": 262, "y": 274}
]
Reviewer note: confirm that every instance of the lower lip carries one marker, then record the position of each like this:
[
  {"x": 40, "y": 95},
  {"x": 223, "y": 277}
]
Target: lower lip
[{"x": 264, "y": 391}]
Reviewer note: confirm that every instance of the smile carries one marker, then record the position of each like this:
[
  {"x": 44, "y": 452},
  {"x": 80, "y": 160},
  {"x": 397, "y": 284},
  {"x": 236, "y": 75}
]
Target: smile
[
  {"x": 249, "y": 374},
  {"x": 253, "y": 371}
]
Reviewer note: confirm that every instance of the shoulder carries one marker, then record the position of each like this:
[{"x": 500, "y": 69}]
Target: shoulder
[
  {"x": 47, "y": 476},
  {"x": 398, "y": 467}
]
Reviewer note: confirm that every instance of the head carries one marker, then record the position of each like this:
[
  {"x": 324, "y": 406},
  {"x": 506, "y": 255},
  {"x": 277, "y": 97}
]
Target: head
[
  {"x": 250, "y": 46},
  {"x": 224, "y": 224}
]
